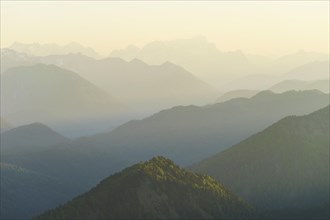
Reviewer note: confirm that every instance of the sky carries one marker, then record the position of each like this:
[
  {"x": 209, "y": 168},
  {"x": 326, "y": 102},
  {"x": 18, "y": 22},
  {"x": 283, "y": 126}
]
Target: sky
[{"x": 257, "y": 27}]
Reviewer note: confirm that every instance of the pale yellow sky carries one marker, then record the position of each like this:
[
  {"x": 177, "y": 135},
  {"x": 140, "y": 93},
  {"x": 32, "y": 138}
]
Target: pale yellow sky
[{"x": 259, "y": 27}]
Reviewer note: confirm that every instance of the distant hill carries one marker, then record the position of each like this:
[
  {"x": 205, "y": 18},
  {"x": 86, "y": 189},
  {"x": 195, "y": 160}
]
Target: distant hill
[
  {"x": 321, "y": 85},
  {"x": 11, "y": 58},
  {"x": 311, "y": 71},
  {"x": 240, "y": 93},
  {"x": 135, "y": 83},
  {"x": 127, "y": 54},
  {"x": 156, "y": 189},
  {"x": 283, "y": 86},
  {"x": 26, "y": 193},
  {"x": 29, "y": 138},
  {"x": 5, "y": 126},
  {"x": 52, "y": 95},
  {"x": 283, "y": 169},
  {"x": 36, "y": 49},
  {"x": 295, "y": 60}
]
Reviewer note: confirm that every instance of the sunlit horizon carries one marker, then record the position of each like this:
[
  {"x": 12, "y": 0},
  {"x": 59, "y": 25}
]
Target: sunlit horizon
[{"x": 261, "y": 28}]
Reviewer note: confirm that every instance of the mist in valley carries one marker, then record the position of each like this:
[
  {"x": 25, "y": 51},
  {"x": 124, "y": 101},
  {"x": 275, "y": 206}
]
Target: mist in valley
[{"x": 164, "y": 110}]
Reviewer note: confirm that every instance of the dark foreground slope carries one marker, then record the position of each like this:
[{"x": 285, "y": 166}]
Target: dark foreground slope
[
  {"x": 283, "y": 169},
  {"x": 21, "y": 188},
  {"x": 156, "y": 189}
]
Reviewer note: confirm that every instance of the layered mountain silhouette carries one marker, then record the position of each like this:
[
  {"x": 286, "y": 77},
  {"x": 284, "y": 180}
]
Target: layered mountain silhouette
[
  {"x": 156, "y": 189},
  {"x": 283, "y": 86},
  {"x": 284, "y": 169},
  {"x": 295, "y": 60},
  {"x": 187, "y": 134},
  {"x": 142, "y": 87},
  {"x": 240, "y": 93},
  {"x": 203, "y": 131},
  {"x": 54, "y": 96},
  {"x": 37, "y": 49},
  {"x": 321, "y": 85},
  {"x": 30, "y": 138},
  {"x": 197, "y": 55},
  {"x": 216, "y": 67},
  {"x": 5, "y": 125},
  {"x": 312, "y": 71},
  {"x": 138, "y": 84},
  {"x": 11, "y": 58}
]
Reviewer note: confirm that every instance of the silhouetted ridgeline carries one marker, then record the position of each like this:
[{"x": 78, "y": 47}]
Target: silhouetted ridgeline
[
  {"x": 156, "y": 189},
  {"x": 283, "y": 170}
]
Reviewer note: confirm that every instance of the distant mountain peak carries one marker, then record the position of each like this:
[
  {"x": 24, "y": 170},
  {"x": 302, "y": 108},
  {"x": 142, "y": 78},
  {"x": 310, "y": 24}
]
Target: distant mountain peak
[
  {"x": 136, "y": 61},
  {"x": 264, "y": 93},
  {"x": 37, "y": 49},
  {"x": 35, "y": 127}
]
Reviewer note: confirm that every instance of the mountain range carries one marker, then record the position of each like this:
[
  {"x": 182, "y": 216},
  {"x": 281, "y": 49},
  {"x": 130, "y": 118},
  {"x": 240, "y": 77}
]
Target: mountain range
[
  {"x": 201, "y": 131},
  {"x": 205, "y": 60},
  {"x": 54, "y": 96},
  {"x": 283, "y": 86},
  {"x": 313, "y": 71},
  {"x": 142, "y": 87},
  {"x": 138, "y": 84},
  {"x": 188, "y": 134},
  {"x": 156, "y": 189},
  {"x": 283, "y": 170},
  {"x": 37, "y": 49},
  {"x": 321, "y": 85}
]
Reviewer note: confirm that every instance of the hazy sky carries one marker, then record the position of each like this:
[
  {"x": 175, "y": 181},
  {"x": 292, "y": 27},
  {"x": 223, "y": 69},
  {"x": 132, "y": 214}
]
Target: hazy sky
[{"x": 259, "y": 27}]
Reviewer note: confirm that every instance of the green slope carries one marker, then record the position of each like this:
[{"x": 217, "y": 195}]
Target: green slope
[
  {"x": 284, "y": 167},
  {"x": 156, "y": 189}
]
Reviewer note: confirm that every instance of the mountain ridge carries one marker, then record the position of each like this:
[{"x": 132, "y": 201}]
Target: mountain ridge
[
  {"x": 155, "y": 189},
  {"x": 287, "y": 162}
]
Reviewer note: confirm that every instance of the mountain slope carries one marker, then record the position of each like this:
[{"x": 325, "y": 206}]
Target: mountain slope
[
  {"x": 11, "y": 58},
  {"x": 187, "y": 134},
  {"x": 135, "y": 83},
  {"x": 205, "y": 60},
  {"x": 241, "y": 93},
  {"x": 321, "y": 85},
  {"x": 197, "y": 55},
  {"x": 138, "y": 84},
  {"x": 311, "y": 71},
  {"x": 203, "y": 131},
  {"x": 30, "y": 138},
  {"x": 5, "y": 126},
  {"x": 21, "y": 187},
  {"x": 200, "y": 131},
  {"x": 286, "y": 166},
  {"x": 52, "y": 95},
  {"x": 156, "y": 189}
]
